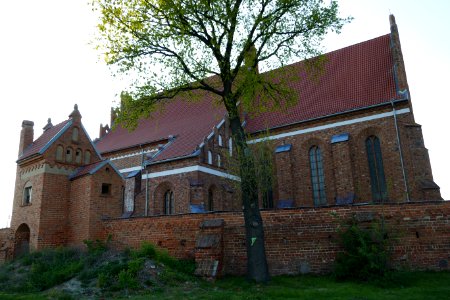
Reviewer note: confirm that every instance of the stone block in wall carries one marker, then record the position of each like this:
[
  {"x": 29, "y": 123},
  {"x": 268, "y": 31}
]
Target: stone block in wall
[{"x": 209, "y": 249}]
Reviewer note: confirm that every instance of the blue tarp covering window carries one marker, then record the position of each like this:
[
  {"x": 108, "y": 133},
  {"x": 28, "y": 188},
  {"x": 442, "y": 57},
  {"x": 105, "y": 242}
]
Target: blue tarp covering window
[
  {"x": 283, "y": 148},
  {"x": 339, "y": 138}
]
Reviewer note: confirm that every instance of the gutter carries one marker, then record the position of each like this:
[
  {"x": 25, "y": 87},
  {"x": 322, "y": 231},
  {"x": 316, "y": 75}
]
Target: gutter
[{"x": 335, "y": 114}]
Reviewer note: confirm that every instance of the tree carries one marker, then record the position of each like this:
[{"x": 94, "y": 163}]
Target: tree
[{"x": 213, "y": 46}]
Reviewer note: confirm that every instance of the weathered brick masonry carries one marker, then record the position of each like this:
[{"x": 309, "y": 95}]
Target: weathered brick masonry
[{"x": 301, "y": 240}]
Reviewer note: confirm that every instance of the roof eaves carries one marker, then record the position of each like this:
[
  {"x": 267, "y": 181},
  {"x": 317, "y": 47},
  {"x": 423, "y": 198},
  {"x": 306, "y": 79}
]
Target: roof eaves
[
  {"x": 89, "y": 138},
  {"x": 337, "y": 114},
  {"x": 196, "y": 153},
  {"x": 55, "y": 137}
]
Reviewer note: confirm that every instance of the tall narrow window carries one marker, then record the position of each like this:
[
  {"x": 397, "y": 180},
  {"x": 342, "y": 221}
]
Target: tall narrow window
[
  {"x": 75, "y": 134},
  {"x": 219, "y": 161},
  {"x": 69, "y": 154},
  {"x": 210, "y": 199},
  {"x": 210, "y": 157},
  {"x": 317, "y": 176},
  {"x": 27, "y": 193},
  {"x": 219, "y": 140},
  {"x": 78, "y": 156},
  {"x": 169, "y": 205},
  {"x": 230, "y": 146},
  {"x": 377, "y": 178},
  {"x": 59, "y": 153},
  {"x": 87, "y": 157}
]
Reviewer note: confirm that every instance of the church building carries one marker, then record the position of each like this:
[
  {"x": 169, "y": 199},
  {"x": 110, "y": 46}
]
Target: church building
[{"x": 351, "y": 138}]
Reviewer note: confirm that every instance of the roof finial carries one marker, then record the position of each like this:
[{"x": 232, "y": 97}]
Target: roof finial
[
  {"x": 75, "y": 114},
  {"x": 49, "y": 124}
]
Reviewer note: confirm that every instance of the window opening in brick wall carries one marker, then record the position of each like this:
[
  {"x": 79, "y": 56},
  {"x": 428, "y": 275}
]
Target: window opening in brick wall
[
  {"x": 59, "y": 153},
  {"x": 69, "y": 154},
  {"x": 169, "y": 203},
  {"x": 377, "y": 178},
  {"x": 219, "y": 140},
  {"x": 219, "y": 160},
  {"x": 230, "y": 146},
  {"x": 317, "y": 176},
  {"x": 27, "y": 194},
  {"x": 75, "y": 134},
  {"x": 210, "y": 157},
  {"x": 78, "y": 156},
  {"x": 87, "y": 157},
  {"x": 106, "y": 189},
  {"x": 210, "y": 199}
]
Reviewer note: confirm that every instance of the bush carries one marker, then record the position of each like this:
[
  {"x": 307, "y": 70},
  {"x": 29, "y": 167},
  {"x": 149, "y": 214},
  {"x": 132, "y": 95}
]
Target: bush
[{"x": 365, "y": 254}]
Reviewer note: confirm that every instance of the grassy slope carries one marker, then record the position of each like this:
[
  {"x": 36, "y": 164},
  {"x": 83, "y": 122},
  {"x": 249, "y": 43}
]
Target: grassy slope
[{"x": 423, "y": 285}]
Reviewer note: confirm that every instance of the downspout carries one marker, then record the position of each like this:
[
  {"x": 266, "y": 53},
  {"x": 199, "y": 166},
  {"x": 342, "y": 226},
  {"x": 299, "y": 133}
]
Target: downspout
[
  {"x": 146, "y": 192},
  {"x": 400, "y": 151},
  {"x": 146, "y": 182}
]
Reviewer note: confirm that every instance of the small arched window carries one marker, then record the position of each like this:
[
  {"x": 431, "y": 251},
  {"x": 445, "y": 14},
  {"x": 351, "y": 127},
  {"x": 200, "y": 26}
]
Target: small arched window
[
  {"x": 59, "y": 153},
  {"x": 69, "y": 154},
  {"x": 75, "y": 134},
  {"x": 317, "y": 176},
  {"x": 210, "y": 158},
  {"x": 27, "y": 193},
  {"x": 78, "y": 156},
  {"x": 169, "y": 203},
  {"x": 87, "y": 157},
  {"x": 219, "y": 161},
  {"x": 219, "y": 140},
  {"x": 210, "y": 199},
  {"x": 377, "y": 178},
  {"x": 230, "y": 146}
]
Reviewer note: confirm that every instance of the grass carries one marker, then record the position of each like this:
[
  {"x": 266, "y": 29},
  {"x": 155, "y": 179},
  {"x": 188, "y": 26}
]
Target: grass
[
  {"x": 150, "y": 273},
  {"x": 423, "y": 285}
]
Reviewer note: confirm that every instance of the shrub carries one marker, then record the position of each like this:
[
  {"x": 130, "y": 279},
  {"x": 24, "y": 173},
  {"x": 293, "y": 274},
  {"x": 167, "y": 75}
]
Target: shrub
[{"x": 365, "y": 253}]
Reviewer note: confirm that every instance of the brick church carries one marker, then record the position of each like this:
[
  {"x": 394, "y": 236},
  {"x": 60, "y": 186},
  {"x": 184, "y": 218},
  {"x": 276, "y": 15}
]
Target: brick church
[{"x": 350, "y": 139}]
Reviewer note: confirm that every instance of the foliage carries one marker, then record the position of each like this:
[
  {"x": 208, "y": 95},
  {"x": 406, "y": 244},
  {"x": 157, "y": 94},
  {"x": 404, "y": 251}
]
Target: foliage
[
  {"x": 44, "y": 269},
  {"x": 177, "y": 45},
  {"x": 196, "y": 47},
  {"x": 365, "y": 256}
]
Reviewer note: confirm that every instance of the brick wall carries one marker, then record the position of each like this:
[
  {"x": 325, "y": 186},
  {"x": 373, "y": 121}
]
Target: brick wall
[
  {"x": 301, "y": 239},
  {"x": 6, "y": 244}
]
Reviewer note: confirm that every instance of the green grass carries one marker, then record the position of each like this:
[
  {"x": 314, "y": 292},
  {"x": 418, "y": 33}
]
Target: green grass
[
  {"x": 420, "y": 285},
  {"x": 423, "y": 285}
]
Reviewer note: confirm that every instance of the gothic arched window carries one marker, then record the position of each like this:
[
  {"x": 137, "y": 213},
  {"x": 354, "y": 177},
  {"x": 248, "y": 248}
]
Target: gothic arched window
[
  {"x": 87, "y": 157},
  {"x": 59, "y": 153},
  {"x": 317, "y": 176},
  {"x": 377, "y": 178},
  {"x": 210, "y": 160},
  {"x": 169, "y": 203},
  {"x": 69, "y": 154},
  {"x": 75, "y": 134}
]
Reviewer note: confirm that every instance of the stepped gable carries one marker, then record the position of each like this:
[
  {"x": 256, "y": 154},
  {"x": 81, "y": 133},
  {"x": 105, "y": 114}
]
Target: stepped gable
[
  {"x": 188, "y": 122},
  {"x": 45, "y": 139},
  {"x": 355, "y": 77}
]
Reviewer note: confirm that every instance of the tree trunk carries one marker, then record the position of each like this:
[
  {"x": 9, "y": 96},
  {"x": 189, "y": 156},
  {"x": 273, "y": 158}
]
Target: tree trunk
[{"x": 257, "y": 268}]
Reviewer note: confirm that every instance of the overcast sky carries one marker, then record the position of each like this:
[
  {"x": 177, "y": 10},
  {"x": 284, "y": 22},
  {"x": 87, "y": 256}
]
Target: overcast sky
[{"x": 47, "y": 65}]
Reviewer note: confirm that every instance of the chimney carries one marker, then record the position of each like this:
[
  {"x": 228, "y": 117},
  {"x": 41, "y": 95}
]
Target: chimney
[
  {"x": 401, "y": 83},
  {"x": 26, "y": 136}
]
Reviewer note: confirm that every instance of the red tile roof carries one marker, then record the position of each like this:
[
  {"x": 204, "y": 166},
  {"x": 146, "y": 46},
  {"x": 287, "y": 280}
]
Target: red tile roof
[
  {"x": 188, "y": 122},
  {"x": 44, "y": 140},
  {"x": 91, "y": 169},
  {"x": 354, "y": 77}
]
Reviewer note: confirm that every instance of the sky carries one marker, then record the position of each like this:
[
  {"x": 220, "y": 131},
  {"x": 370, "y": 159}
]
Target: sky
[{"x": 47, "y": 64}]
